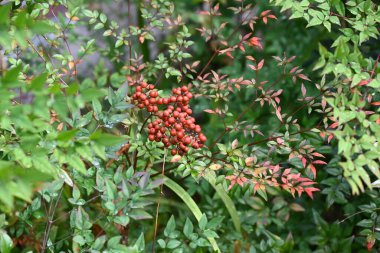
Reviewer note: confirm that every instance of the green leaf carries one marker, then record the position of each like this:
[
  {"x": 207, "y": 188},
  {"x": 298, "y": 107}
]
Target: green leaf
[
  {"x": 43, "y": 164},
  {"x": 365, "y": 223},
  {"x": 139, "y": 214},
  {"x": 6, "y": 243},
  {"x": 188, "y": 228},
  {"x": 203, "y": 222},
  {"x": 140, "y": 242},
  {"x": 172, "y": 244},
  {"x": 67, "y": 135},
  {"x": 77, "y": 164},
  {"x": 4, "y": 13},
  {"x": 38, "y": 82},
  {"x": 314, "y": 22},
  {"x": 107, "y": 139},
  {"x": 122, "y": 220},
  {"x": 170, "y": 226}
]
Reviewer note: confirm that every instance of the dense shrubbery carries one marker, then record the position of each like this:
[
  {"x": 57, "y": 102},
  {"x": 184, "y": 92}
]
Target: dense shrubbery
[{"x": 178, "y": 126}]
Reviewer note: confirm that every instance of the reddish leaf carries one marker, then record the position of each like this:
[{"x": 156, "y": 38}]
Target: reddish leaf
[
  {"x": 319, "y": 162},
  {"x": 209, "y": 111},
  {"x": 294, "y": 69},
  {"x": 255, "y": 42},
  {"x": 278, "y": 113},
  {"x": 318, "y": 154},
  {"x": 272, "y": 16},
  {"x": 264, "y": 13},
  {"x": 260, "y": 65},
  {"x": 303, "y": 90},
  {"x": 303, "y": 159},
  {"x": 313, "y": 170},
  {"x": 302, "y": 76},
  {"x": 310, "y": 191}
]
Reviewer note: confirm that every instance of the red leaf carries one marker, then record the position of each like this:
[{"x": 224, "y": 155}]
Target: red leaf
[
  {"x": 329, "y": 138},
  {"x": 252, "y": 67},
  {"x": 310, "y": 191},
  {"x": 370, "y": 242},
  {"x": 260, "y": 65},
  {"x": 255, "y": 42},
  {"x": 278, "y": 113},
  {"x": 302, "y": 76},
  {"x": 318, "y": 154},
  {"x": 303, "y": 90},
  {"x": 303, "y": 159},
  {"x": 313, "y": 170},
  {"x": 272, "y": 16},
  {"x": 264, "y": 13},
  {"x": 319, "y": 162},
  {"x": 362, "y": 83},
  {"x": 250, "y": 58},
  {"x": 209, "y": 111},
  {"x": 204, "y": 13},
  {"x": 294, "y": 69},
  {"x": 277, "y": 93}
]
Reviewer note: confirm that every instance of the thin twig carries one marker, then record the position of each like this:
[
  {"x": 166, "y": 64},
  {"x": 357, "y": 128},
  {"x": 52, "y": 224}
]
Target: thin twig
[{"x": 50, "y": 221}]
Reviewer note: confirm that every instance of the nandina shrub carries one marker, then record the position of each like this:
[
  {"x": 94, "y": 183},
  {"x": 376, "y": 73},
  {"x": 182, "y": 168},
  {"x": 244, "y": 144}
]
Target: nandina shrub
[{"x": 125, "y": 153}]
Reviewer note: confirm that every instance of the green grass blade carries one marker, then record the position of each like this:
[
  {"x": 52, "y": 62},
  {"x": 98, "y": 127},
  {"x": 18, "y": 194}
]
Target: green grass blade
[
  {"x": 226, "y": 200},
  {"x": 186, "y": 198}
]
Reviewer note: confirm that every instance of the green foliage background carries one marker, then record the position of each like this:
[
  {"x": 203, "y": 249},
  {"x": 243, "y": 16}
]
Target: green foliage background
[{"x": 57, "y": 192}]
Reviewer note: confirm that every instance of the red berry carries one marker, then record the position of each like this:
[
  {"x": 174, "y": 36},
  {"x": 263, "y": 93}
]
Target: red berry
[
  {"x": 153, "y": 94},
  {"x": 171, "y": 120},
  {"x": 144, "y": 84},
  {"x": 187, "y": 140},
  {"x": 173, "y": 151},
  {"x": 180, "y": 135},
  {"x": 202, "y": 138},
  {"x": 178, "y": 126},
  {"x": 151, "y": 137}
]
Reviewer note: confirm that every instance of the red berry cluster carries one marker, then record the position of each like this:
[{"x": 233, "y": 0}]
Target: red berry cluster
[{"x": 174, "y": 126}]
